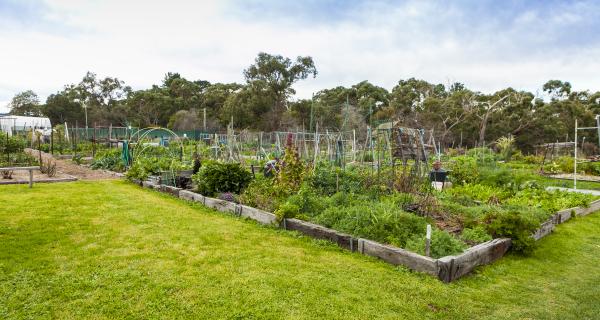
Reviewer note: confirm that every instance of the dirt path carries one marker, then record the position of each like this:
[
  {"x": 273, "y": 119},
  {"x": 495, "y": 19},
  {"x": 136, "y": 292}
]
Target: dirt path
[{"x": 70, "y": 168}]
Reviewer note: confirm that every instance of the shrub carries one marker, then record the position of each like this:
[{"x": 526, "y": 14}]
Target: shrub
[
  {"x": 515, "y": 225},
  {"x": 261, "y": 193},
  {"x": 464, "y": 170},
  {"x": 287, "y": 210},
  {"x": 379, "y": 221},
  {"x": 482, "y": 155},
  {"x": 532, "y": 159},
  {"x": 327, "y": 179},
  {"x": 475, "y": 235},
  {"x": 308, "y": 202},
  {"x": 108, "y": 160},
  {"x": 291, "y": 175},
  {"x": 442, "y": 244},
  {"x": 217, "y": 177},
  {"x": 565, "y": 164}
]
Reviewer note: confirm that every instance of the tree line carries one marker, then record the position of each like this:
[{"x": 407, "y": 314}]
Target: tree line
[{"x": 457, "y": 115}]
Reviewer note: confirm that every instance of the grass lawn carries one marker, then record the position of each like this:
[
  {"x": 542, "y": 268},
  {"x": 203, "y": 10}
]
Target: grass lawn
[{"x": 99, "y": 250}]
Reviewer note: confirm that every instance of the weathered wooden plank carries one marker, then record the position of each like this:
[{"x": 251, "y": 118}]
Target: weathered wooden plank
[
  {"x": 545, "y": 229},
  {"x": 261, "y": 216},
  {"x": 220, "y": 205},
  {"x": 148, "y": 184},
  {"x": 343, "y": 240},
  {"x": 594, "y": 206},
  {"x": 397, "y": 256},
  {"x": 562, "y": 216},
  {"x": 454, "y": 267},
  {"x": 186, "y": 195},
  {"x": 170, "y": 190}
]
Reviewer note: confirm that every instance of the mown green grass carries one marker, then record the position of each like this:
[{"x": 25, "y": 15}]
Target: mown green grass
[{"x": 110, "y": 250}]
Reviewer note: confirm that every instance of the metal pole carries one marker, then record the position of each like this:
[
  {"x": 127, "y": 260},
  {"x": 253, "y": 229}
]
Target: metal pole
[
  {"x": 86, "y": 122},
  {"x": 575, "y": 162},
  {"x": 428, "y": 241},
  {"x": 598, "y": 127},
  {"x": 204, "y": 126}
]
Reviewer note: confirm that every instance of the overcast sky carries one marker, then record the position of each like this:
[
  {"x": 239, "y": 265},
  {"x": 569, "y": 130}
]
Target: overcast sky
[{"x": 488, "y": 45}]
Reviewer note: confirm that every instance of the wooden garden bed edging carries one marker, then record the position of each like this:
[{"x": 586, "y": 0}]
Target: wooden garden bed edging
[
  {"x": 447, "y": 268},
  {"x": 397, "y": 256},
  {"x": 451, "y": 268}
]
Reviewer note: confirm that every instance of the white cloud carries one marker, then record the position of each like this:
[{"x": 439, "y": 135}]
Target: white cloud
[{"x": 139, "y": 41}]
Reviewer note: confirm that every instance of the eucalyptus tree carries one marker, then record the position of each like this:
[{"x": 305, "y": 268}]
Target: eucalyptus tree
[{"x": 25, "y": 103}]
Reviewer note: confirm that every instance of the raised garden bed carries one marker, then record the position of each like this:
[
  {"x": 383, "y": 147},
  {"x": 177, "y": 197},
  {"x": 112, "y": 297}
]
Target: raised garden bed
[{"x": 447, "y": 269}]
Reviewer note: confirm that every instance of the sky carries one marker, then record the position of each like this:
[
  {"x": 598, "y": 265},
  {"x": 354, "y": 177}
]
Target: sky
[{"x": 485, "y": 44}]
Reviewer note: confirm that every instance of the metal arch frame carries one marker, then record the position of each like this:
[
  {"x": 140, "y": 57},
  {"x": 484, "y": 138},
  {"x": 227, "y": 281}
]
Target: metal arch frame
[{"x": 146, "y": 132}]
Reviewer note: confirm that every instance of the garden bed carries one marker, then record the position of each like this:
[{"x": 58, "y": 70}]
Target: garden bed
[
  {"x": 22, "y": 177},
  {"x": 447, "y": 269}
]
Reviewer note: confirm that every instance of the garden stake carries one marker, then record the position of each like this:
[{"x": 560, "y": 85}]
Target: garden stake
[{"x": 428, "y": 241}]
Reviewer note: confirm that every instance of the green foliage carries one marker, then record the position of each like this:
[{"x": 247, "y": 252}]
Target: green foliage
[
  {"x": 480, "y": 192},
  {"x": 261, "y": 193},
  {"x": 475, "y": 235},
  {"x": 442, "y": 244},
  {"x": 292, "y": 170},
  {"x": 565, "y": 164},
  {"x": 217, "y": 177},
  {"x": 377, "y": 220},
  {"x": 287, "y": 210},
  {"x": 532, "y": 159},
  {"x": 482, "y": 155},
  {"x": 143, "y": 167},
  {"x": 464, "y": 170},
  {"x": 505, "y": 144},
  {"x": 11, "y": 151},
  {"x": 328, "y": 179},
  {"x": 108, "y": 160},
  {"x": 11, "y": 144},
  {"x": 513, "y": 224},
  {"x": 549, "y": 201},
  {"x": 307, "y": 201}
]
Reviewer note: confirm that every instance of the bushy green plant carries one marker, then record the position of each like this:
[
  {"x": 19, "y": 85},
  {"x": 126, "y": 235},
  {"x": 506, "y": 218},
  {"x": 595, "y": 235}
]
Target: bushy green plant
[
  {"x": 216, "y": 177},
  {"x": 480, "y": 192},
  {"x": 532, "y": 159},
  {"x": 549, "y": 201},
  {"x": 475, "y": 235},
  {"x": 261, "y": 193},
  {"x": 565, "y": 164},
  {"x": 482, "y": 155},
  {"x": 513, "y": 224},
  {"x": 292, "y": 171},
  {"x": 379, "y": 221},
  {"x": 328, "y": 179},
  {"x": 108, "y": 160},
  {"x": 442, "y": 244},
  {"x": 307, "y": 201},
  {"x": 11, "y": 144},
  {"x": 464, "y": 169},
  {"x": 287, "y": 210}
]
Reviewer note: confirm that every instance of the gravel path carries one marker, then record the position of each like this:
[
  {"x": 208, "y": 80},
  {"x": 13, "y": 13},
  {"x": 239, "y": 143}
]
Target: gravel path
[{"x": 70, "y": 168}]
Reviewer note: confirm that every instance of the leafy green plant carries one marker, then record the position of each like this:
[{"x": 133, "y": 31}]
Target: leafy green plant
[
  {"x": 217, "y": 177},
  {"x": 475, "y": 235},
  {"x": 442, "y": 244},
  {"x": 108, "y": 160},
  {"x": 291, "y": 174},
  {"x": 287, "y": 210},
  {"x": 505, "y": 144},
  {"x": 515, "y": 225},
  {"x": 261, "y": 193},
  {"x": 464, "y": 169}
]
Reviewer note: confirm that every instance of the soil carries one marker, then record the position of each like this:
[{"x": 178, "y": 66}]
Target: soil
[{"x": 68, "y": 167}]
